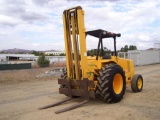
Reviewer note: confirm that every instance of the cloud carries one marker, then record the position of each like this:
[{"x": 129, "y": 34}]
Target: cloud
[
  {"x": 8, "y": 21},
  {"x": 25, "y": 11},
  {"x": 41, "y": 2},
  {"x": 37, "y": 24},
  {"x": 31, "y": 17},
  {"x": 36, "y": 44},
  {"x": 2, "y": 33}
]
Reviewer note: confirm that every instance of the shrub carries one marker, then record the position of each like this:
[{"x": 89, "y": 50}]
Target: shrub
[{"x": 42, "y": 61}]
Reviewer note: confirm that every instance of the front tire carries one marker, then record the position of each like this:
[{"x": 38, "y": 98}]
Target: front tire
[
  {"x": 111, "y": 83},
  {"x": 137, "y": 83},
  {"x": 64, "y": 76},
  {"x": 64, "y": 73}
]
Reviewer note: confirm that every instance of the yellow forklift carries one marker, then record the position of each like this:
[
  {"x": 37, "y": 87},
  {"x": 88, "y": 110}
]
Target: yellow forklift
[{"x": 105, "y": 76}]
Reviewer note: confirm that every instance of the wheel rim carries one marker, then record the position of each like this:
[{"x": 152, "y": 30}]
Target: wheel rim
[
  {"x": 117, "y": 83},
  {"x": 139, "y": 83}
]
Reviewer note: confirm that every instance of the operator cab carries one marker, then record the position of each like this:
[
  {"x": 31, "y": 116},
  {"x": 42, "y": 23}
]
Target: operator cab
[{"x": 99, "y": 33}]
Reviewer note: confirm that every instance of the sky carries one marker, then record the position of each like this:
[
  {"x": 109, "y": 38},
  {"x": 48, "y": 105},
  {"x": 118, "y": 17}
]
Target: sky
[{"x": 38, "y": 25}]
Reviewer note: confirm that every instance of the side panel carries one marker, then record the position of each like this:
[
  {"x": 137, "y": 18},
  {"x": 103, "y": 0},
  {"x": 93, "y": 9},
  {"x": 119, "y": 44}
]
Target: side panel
[
  {"x": 126, "y": 64},
  {"x": 95, "y": 65},
  {"x": 128, "y": 68}
]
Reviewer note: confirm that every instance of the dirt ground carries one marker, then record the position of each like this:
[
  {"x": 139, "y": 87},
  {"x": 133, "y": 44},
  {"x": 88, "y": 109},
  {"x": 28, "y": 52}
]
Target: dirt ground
[{"x": 21, "y": 98}]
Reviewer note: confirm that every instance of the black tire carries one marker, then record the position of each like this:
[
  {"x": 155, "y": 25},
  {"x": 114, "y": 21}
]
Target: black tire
[
  {"x": 105, "y": 86},
  {"x": 64, "y": 73},
  {"x": 64, "y": 76},
  {"x": 137, "y": 83}
]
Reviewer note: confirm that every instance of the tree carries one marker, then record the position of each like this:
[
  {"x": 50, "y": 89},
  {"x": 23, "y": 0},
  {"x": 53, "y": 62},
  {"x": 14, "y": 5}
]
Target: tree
[
  {"x": 62, "y": 54},
  {"x": 132, "y": 47},
  {"x": 126, "y": 48},
  {"x": 36, "y": 53},
  {"x": 122, "y": 49},
  {"x": 2, "y": 52},
  {"x": 42, "y": 61},
  {"x": 106, "y": 51},
  {"x": 93, "y": 52}
]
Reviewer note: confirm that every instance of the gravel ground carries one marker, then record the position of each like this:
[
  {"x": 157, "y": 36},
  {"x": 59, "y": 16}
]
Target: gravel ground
[{"x": 22, "y": 93}]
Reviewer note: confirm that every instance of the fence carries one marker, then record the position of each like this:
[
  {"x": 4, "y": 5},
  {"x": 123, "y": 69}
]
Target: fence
[
  {"x": 3, "y": 62},
  {"x": 15, "y": 66}
]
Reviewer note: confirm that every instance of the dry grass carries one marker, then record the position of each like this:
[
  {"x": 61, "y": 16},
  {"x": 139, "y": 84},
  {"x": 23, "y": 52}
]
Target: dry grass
[{"x": 16, "y": 76}]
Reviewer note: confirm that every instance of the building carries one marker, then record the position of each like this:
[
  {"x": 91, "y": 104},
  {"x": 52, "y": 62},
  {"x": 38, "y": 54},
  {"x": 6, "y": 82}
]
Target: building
[
  {"x": 17, "y": 58},
  {"x": 27, "y": 58},
  {"x": 54, "y": 52},
  {"x": 142, "y": 57},
  {"x": 10, "y": 57}
]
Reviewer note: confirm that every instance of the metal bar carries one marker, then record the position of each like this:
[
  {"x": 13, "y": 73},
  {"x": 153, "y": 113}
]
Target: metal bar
[
  {"x": 70, "y": 45},
  {"x": 82, "y": 42},
  {"x": 66, "y": 43},
  {"x": 85, "y": 80},
  {"x": 76, "y": 92},
  {"x": 83, "y": 92},
  {"x": 101, "y": 45},
  {"x": 73, "y": 83},
  {"x": 69, "y": 89},
  {"x": 71, "y": 107},
  {"x": 75, "y": 47},
  {"x": 115, "y": 51},
  {"x": 77, "y": 7},
  {"x": 77, "y": 41},
  {"x": 98, "y": 50},
  {"x": 98, "y": 46},
  {"x": 55, "y": 104}
]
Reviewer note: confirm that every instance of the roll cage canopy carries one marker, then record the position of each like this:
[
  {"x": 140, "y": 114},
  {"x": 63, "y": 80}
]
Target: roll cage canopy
[
  {"x": 103, "y": 33},
  {"x": 99, "y": 33}
]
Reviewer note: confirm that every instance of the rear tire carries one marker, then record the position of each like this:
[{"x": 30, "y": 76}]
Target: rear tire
[
  {"x": 111, "y": 83},
  {"x": 137, "y": 83}
]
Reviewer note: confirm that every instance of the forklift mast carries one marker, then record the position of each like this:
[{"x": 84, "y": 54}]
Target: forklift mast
[{"x": 75, "y": 42}]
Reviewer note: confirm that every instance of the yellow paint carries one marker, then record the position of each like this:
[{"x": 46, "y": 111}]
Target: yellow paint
[
  {"x": 76, "y": 59},
  {"x": 140, "y": 83},
  {"x": 117, "y": 83},
  {"x": 81, "y": 68},
  {"x": 82, "y": 42},
  {"x": 66, "y": 47}
]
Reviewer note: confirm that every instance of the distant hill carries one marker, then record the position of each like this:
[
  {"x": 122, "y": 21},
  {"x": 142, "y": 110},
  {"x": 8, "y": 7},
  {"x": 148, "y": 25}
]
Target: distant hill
[
  {"x": 16, "y": 50},
  {"x": 20, "y": 51}
]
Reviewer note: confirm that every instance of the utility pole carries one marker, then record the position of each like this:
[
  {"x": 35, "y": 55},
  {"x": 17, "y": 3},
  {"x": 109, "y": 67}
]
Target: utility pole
[{"x": 158, "y": 44}]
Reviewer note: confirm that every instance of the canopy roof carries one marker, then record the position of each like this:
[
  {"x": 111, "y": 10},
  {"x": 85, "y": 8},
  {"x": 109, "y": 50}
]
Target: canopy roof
[{"x": 104, "y": 33}]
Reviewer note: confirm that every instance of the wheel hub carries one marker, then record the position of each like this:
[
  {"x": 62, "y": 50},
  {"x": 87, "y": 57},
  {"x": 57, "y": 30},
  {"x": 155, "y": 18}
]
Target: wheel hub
[
  {"x": 139, "y": 83},
  {"x": 117, "y": 83}
]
